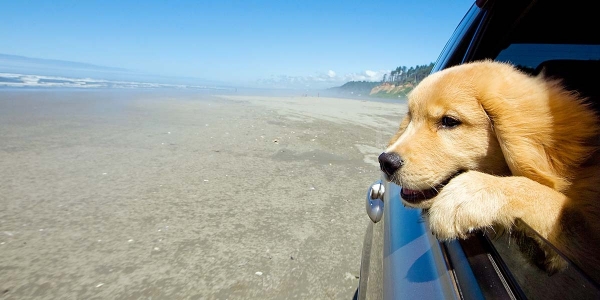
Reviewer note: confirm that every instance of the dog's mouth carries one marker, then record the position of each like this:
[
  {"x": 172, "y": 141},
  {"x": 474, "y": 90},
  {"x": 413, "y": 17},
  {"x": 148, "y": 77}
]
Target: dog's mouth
[{"x": 417, "y": 196}]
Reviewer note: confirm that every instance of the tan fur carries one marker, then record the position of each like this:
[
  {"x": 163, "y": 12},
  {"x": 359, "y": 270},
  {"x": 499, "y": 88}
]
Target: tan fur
[{"x": 526, "y": 148}]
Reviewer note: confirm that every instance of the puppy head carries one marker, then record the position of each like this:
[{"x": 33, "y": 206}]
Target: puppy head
[{"x": 445, "y": 132}]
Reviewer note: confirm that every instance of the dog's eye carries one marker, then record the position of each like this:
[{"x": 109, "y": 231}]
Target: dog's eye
[{"x": 449, "y": 122}]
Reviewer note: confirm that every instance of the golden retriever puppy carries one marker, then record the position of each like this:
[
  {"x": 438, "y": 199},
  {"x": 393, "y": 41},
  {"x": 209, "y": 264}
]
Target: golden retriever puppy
[{"x": 484, "y": 144}]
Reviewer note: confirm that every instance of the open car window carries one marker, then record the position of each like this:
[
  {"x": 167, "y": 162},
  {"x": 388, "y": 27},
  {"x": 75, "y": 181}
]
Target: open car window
[{"x": 555, "y": 39}]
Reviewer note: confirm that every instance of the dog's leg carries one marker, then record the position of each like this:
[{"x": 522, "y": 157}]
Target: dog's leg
[{"x": 475, "y": 200}]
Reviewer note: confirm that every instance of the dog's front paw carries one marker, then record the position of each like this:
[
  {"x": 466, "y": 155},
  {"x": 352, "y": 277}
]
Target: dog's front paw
[{"x": 468, "y": 202}]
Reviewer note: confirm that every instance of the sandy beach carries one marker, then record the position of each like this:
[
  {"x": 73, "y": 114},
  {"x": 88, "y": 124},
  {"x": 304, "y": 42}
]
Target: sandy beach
[{"x": 182, "y": 195}]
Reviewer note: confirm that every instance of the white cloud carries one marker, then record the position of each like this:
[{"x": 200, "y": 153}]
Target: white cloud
[
  {"x": 331, "y": 73},
  {"x": 367, "y": 75}
]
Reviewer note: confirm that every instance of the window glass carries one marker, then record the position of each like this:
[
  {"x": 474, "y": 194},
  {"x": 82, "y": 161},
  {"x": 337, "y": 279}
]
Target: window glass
[
  {"x": 532, "y": 55},
  {"x": 535, "y": 283}
]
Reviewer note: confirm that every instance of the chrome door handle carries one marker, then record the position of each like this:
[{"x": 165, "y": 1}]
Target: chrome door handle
[{"x": 375, "y": 201}]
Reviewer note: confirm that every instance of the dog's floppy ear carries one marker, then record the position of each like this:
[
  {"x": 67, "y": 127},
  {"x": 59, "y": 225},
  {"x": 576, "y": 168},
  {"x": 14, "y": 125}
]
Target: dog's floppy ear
[{"x": 544, "y": 131}]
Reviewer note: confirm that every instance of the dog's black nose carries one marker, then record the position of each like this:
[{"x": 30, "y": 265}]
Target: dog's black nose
[{"x": 390, "y": 162}]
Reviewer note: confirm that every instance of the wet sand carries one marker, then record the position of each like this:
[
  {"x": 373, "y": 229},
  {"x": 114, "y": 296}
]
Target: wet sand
[{"x": 171, "y": 195}]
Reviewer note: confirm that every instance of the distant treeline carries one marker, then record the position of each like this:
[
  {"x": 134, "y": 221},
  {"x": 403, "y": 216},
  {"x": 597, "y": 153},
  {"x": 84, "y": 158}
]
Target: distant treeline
[{"x": 403, "y": 75}]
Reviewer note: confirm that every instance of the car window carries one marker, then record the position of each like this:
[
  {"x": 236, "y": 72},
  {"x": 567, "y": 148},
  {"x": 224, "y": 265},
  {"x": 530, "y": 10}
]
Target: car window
[
  {"x": 535, "y": 45},
  {"x": 532, "y": 55}
]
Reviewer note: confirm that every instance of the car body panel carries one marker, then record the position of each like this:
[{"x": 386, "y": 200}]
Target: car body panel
[{"x": 413, "y": 263}]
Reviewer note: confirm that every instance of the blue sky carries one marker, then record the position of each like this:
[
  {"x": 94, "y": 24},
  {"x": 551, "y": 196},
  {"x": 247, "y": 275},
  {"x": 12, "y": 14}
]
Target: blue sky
[{"x": 240, "y": 42}]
